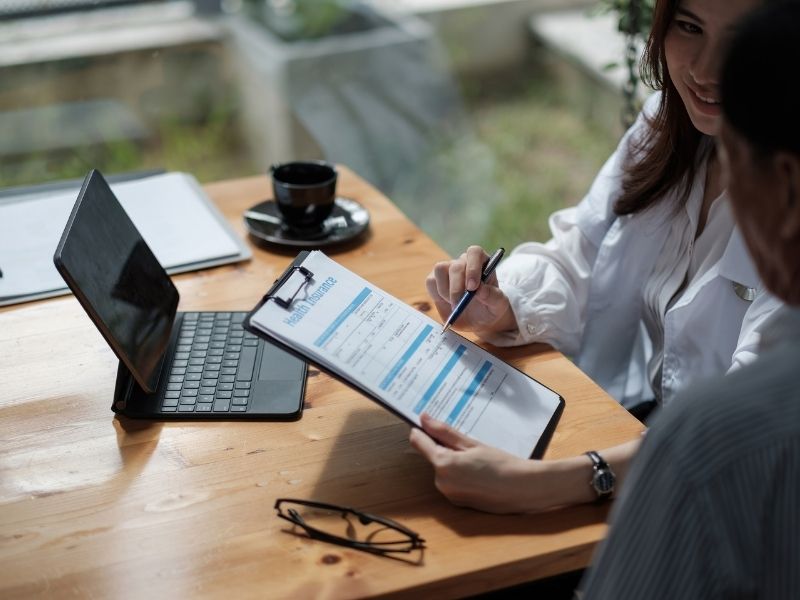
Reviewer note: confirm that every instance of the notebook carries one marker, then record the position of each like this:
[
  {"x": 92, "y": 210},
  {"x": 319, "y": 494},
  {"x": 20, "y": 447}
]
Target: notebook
[
  {"x": 170, "y": 210},
  {"x": 172, "y": 364}
]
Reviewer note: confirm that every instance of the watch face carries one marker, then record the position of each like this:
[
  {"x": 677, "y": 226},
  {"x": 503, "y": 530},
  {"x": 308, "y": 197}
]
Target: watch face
[{"x": 603, "y": 481}]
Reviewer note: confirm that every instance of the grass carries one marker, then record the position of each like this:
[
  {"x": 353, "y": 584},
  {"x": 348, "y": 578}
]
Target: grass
[
  {"x": 521, "y": 154},
  {"x": 545, "y": 155}
]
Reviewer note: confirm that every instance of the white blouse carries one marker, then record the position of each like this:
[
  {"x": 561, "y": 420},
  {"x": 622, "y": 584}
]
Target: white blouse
[{"x": 609, "y": 291}]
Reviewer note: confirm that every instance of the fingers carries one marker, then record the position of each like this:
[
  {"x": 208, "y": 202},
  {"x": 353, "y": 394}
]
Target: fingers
[
  {"x": 456, "y": 274},
  {"x": 442, "y": 304},
  {"x": 475, "y": 259},
  {"x": 444, "y": 434},
  {"x": 423, "y": 444}
]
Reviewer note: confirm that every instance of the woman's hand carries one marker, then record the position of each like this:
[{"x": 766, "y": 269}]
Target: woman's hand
[
  {"x": 473, "y": 475},
  {"x": 489, "y": 310}
]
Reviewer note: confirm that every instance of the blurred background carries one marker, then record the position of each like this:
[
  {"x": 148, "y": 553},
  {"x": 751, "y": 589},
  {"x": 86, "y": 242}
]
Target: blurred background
[{"x": 478, "y": 118}]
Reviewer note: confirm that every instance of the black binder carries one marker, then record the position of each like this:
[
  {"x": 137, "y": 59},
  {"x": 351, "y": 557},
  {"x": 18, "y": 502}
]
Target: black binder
[{"x": 284, "y": 297}]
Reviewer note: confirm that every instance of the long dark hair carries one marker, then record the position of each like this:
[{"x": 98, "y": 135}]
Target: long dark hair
[{"x": 667, "y": 158}]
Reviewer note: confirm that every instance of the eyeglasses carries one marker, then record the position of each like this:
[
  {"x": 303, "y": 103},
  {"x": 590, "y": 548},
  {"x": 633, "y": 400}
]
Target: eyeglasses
[{"x": 348, "y": 527}]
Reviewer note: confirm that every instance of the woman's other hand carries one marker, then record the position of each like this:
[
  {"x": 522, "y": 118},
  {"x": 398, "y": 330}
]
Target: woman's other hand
[
  {"x": 474, "y": 475},
  {"x": 489, "y": 310}
]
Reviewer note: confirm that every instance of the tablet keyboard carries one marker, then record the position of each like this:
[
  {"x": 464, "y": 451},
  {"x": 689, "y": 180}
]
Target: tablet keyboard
[{"x": 213, "y": 366}]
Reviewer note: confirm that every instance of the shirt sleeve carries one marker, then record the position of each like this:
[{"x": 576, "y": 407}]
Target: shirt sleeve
[
  {"x": 548, "y": 283},
  {"x": 761, "y": 310}
]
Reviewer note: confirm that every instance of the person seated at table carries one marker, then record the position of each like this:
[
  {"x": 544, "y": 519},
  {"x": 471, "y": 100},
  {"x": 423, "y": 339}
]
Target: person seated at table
[
  {"x": 646, "y": 282},
  {"x": 712, "y": 505},
  {"x": 474, "y": 475}
]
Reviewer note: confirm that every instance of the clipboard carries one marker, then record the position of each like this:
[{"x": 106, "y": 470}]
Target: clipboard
[{"x": 286, "y": 293}]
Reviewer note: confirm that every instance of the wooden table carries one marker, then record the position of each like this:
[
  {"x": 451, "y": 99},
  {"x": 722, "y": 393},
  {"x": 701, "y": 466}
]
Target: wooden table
[{"x": 104, "y": 507}]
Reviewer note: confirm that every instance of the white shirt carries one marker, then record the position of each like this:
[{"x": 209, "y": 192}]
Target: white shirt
[{"x": 591, "y": 289}]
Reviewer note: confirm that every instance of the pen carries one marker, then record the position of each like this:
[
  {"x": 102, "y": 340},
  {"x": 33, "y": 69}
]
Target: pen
[{"x": 488, "y": 269}]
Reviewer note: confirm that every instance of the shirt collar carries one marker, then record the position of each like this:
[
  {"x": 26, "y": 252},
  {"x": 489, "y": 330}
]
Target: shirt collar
[{"x": 736, "y": 263}]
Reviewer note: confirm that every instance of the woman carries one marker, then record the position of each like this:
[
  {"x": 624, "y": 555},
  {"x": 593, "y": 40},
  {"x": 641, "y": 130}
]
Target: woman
[{"x": 646, "y": 282}]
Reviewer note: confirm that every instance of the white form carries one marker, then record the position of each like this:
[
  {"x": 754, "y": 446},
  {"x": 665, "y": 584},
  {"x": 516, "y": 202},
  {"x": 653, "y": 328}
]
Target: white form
[{"x": 400, "y": 356}]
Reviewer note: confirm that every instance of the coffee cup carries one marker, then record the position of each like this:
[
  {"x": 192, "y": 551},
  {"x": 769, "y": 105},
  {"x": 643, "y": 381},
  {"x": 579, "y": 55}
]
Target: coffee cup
[{"x": 305, "y": 192}]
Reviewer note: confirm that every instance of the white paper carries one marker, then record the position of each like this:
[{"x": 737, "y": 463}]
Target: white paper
[
  {"x": 169, "y": 210},
  {"x": 400, "y": 355}
]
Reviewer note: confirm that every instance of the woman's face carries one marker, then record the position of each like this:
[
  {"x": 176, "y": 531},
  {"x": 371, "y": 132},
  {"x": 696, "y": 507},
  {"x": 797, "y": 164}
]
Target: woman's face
[{"x": 694, "y": 47}]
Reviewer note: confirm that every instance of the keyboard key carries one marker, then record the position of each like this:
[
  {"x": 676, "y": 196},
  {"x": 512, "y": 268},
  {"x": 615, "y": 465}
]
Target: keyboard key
[
  {"x": 171, "y": 387},
  {"x": 211, "y": 368},
  {"x": 181, "y": 355},
  {"x": 239, "y": 401},
  {"x": 187, "y": 400},
  {"x": 216, "y": 345},
  {"x": 224, "y": 386},
  {"x": 169, "y": 408},
  {"x": 207, "y": 390},
  {"x": 178, "y": 371},
  {"x": 180, "y": 363},
  {"x": 241, "y": 393},
  {"x": 169, "y": 402},
  {"x": 196, "y": 361},
  {"x": 186, "y": 408},
  {"x": 223, "y": 394},
  {"x": 189, "y": 393},
  {"x": 204, "y": 408},
  {"x": 250, "y": 343},
  {"x": 228, "y": 371},
  {"x": 235, "y": 408},
  {"x": 193, "y": 377},
  {"x": 216, "y": 351},
  {"x": 228, "y": 378},
  {"x": 194, "y": 369},
  {"x": 205, "y": 397},
  {"x": 209, "y": 382},
  {"x": 222, "y": 405},
  {"x": 172, "y": 394},
  {"x": 190, "y": 385},
  {"x": 243, "y": 385}
]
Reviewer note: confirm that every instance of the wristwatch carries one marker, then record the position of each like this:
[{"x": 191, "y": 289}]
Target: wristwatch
[{"x": 603, "y": 478}]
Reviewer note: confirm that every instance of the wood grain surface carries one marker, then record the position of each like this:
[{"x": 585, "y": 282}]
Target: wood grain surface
[{"x": 94, "y": 506}]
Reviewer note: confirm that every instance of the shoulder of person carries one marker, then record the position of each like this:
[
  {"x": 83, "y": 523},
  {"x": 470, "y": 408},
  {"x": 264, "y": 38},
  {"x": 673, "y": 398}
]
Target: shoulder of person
[{"x": 715, "y": 423}]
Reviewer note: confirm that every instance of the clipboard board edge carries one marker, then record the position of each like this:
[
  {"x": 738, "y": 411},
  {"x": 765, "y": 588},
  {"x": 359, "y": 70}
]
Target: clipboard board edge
[{"x": 536, "y": 453}]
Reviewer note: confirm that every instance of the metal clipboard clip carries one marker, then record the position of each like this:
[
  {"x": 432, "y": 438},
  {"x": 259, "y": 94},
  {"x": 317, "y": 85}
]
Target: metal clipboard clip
[{"x": 286, "y": 300}]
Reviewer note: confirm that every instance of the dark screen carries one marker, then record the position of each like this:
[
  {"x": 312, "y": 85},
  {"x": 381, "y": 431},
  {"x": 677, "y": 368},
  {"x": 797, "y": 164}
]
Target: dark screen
[{"x": 118, "y": 280}]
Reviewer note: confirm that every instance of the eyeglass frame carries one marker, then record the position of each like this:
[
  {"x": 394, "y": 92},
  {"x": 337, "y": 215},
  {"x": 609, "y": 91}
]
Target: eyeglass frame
[{"x": 416, "y": 542}]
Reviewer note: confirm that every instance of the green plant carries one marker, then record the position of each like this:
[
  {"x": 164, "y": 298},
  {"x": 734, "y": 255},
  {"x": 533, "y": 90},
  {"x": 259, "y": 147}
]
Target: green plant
[
  {"x": 634, "y": 19},
  {"x": 634, "y": 16}
]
